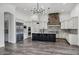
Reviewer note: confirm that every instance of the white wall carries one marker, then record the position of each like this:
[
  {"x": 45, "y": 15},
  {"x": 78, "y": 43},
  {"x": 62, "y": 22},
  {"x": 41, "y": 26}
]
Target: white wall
[
  {"x": 21, "y": 16},
  {"x": 75, "y": 11},
  {"x": 32, "y": 22},
  {"x": 64, "y": 16},
  {"x": 12, "y": 29},
  {"x": 1, "y": 28},
  {"x": 6, "y": 8}
]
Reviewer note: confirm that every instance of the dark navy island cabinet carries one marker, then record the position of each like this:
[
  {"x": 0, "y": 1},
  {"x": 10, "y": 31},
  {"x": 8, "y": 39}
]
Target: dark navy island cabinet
[{"x": 44, "y": 37}]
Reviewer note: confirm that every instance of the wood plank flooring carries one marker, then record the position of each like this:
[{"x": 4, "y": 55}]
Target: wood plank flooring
[{"x": 29, "y": 47}]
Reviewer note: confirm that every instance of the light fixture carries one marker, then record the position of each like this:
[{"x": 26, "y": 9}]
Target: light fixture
[
  {"x": 62, "y": 10},
  {"x": 38, "y": 10},
  {"x": 64, "y": 3},
  {"x": 34, "y": 17},
  {"x": 24, "y": 9}
]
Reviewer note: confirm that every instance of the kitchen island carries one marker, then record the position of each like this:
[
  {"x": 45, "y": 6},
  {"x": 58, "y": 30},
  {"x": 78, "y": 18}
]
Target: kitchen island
[{"x": 44, "y": 37}]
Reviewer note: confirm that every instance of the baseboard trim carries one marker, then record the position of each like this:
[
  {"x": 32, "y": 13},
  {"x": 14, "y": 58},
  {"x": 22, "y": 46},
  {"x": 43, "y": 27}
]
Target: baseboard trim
[
  {"x": 2, "y": 45},
  {"x": 75, "y": 45},
  {"x": 63, "y": 39},
  {"x": 67, "y": 41}
]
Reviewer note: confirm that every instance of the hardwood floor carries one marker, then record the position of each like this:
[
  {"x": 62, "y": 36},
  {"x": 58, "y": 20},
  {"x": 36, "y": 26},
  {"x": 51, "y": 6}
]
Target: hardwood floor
[{"x": 29, "y": 47}]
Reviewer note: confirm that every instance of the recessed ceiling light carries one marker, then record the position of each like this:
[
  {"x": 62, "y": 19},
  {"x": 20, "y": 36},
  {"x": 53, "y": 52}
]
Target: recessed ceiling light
[
  {"x": 62, "y": 10},
  {"x": 24, "y": 9},
  {"x": 64, "y": 3}
]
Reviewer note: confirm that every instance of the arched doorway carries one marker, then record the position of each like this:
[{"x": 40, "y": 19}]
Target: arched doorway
[{"x": 8, "y": 27}]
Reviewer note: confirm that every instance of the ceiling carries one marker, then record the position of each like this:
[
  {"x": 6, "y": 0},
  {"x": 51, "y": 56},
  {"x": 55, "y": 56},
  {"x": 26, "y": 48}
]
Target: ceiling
[{"x": 25, "y": 8}]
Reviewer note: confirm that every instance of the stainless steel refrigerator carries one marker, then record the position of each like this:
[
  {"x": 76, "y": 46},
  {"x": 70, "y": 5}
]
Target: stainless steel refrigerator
[{"x": 19, "y": 31}]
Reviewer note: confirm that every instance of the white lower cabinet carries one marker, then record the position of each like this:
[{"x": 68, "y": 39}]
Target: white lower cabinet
[
  {"x": 72, "y": 39},
  {"x": 67, "y": 37},
  {"x": 60, "y": 35},
  {"x": 25, "y": 36},
  {"x": 62, "y": 25}
]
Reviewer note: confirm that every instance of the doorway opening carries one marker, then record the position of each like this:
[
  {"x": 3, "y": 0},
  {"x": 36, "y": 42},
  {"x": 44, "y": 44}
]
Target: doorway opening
[{"x": 7, "y": 27}]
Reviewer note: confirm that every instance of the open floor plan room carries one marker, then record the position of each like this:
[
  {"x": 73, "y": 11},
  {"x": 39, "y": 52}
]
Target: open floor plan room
[
  {"x": 29, "y": 47},
  {"x": 39, "y": 29}
]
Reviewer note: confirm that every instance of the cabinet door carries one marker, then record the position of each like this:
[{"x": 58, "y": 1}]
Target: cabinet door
[
  {"x": 70, "y": 25},
  {"x": 34, "y": 36},
  {"x": 75, "y": 23},
  {"x": 52, "y": 37},
  {"x": 39, "y": 37},
  {"x": 66, "y": 25},
  {"x": 17, "y": 37},
  {"x": 45, "y": 37},
  {"x": 62, "y": 25},
  {"x": 73, "y": 39}
]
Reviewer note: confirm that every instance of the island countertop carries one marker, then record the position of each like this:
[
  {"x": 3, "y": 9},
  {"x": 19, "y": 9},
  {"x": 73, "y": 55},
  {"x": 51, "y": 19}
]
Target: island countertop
[{"x": 53, "y": 32}]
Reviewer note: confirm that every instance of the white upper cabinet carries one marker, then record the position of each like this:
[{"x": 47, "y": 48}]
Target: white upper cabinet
[
  {"x": 72, "y": 23},
  {"x": 75, "y": 20}
]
